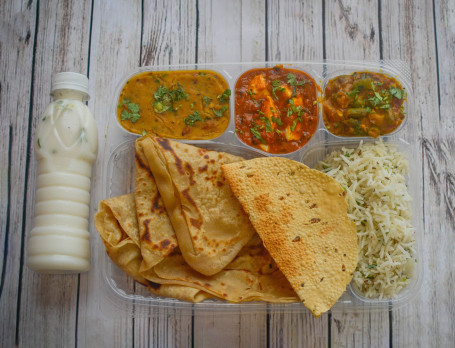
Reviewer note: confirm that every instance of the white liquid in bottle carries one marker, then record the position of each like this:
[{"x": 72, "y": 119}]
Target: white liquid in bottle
[{"x": 66, "y": 144}]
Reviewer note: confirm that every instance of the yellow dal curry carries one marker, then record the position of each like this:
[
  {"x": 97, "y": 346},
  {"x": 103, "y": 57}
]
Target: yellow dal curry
[{"x": 189, "y": 104}]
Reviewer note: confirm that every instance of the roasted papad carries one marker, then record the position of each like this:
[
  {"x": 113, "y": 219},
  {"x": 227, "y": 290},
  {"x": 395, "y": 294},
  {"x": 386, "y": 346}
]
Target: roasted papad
[
  {"x": 251, "y": 276},
  {"x": 208, "y": 221},
  {"x": 301, "y": 216},
  {"x": 117, "y": 226},
  {"x": 157, "y": 237}
]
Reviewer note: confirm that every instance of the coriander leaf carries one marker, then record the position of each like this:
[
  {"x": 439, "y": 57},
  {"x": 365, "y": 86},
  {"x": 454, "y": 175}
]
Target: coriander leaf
[
  {"x": 224, "y": 98},
  {"x": 268, "y": 125},
  {"x": 219, "y": 113},
  {"x": 396, "y": 92},
  {"x": 207, "y": 100},
  {"x": 193, "y": 118},
  {"x": 132, "y": 111},
  {"x": 276, "y": 86},
  {"x": 294, "y": 125},
  {"x": 354, "y": 92},
  {"x": 277, "y": 121},
  {"x": 165, "y": 98},
  {"x": 293, "y": 81},
  {"x": 257, "y": 134}
]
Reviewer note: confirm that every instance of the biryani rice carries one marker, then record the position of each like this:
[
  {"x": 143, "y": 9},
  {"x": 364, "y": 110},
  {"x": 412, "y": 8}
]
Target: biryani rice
[{"x": 373, "y": 176}]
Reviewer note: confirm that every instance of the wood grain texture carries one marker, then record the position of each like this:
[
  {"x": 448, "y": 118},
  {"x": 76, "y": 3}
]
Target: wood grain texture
[
  {"x": 114, "y": 51},
  {"x": 431, "y": 315},
  {"x": 17, "y": 31},
  {"x": 49, "y": 302},
  {"x": 38, "y": 39}
]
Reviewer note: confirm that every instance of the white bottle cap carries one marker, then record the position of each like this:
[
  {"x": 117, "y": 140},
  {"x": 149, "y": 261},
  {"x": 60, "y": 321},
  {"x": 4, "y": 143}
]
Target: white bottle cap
[{"x": 70, "y": 80}]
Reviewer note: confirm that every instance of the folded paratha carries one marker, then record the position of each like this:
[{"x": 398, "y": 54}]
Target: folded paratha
[
  {"x": 209, "y": 222},
  {"x": 301, "y": 216},
  {"x": 157, "y": 237},
  {"x": 117, "y": 226},
  {"x": 251, "y": 276}
]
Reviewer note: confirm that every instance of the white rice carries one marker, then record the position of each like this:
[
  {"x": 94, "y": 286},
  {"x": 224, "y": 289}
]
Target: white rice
[{"x": 373, "y": 176}]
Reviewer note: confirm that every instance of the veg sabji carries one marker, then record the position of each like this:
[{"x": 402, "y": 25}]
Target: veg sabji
[
  {"x": 363, "y": 104},
  {"x": 275, "y": 109}
]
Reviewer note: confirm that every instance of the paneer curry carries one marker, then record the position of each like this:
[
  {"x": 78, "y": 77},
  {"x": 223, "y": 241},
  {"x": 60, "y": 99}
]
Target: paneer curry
[
  {"x": 191, "y": 104},
  {"x": 363, "y": 104},
  {"x": 276, "y": 109}
]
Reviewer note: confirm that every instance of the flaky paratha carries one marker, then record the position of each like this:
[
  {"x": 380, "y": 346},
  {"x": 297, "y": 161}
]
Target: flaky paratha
[
  {"x": 157, "y": 237},
  {"x": 301, "y": 216},
  {"x": 117, "y": 226},
  {"x": 251, "y": 276},
  {"x": 209, "y": 222}
]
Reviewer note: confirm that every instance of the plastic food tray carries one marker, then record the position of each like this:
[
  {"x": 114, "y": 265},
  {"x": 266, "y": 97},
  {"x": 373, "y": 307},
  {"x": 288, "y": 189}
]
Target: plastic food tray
[{"x": 118, "y": 179}]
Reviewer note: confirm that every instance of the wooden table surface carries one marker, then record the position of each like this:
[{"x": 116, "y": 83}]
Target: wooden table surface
[{"x": 104, "y": 40}]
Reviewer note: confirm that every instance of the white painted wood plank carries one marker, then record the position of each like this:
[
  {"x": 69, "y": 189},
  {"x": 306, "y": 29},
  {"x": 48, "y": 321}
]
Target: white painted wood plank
[
  {"x": 17, "y": 30},
  {"x": 49, "y": 302},
  {"x": 352, "y": 32},
  {"x": 169, "y": 32},
  {"x": 114, "y": 51},
  {"x": 429, "y": 319},
  {"x": 295, "y": 33}
]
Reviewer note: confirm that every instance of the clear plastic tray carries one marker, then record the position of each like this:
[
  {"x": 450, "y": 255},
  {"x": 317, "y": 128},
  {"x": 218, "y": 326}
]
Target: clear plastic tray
[{"x": 118, "y": 178}]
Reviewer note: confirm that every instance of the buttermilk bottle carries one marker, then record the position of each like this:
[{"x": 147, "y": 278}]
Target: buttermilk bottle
[{"x": 66, "y": 145}]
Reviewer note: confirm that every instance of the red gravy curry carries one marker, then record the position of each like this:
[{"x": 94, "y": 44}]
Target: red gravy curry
[{"x": 276, "y": 109}]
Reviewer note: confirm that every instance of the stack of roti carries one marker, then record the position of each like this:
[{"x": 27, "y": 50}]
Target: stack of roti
[
  {"x": 205, "y": 224},
  {"x": 183, "y": 234}
]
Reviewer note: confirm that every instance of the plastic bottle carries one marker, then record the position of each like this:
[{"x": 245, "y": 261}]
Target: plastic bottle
[{"x": 66, "y": 145}]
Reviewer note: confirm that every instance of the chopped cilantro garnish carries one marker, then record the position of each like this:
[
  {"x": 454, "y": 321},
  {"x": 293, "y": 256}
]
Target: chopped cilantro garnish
[
  {"x": 224, "y": 98},
  {"x": 132, "y": 111},
  {"x": 354, "y": 92},
  {"x": 193, "y": 118},
  {"x": 396, "y": 92},
  {"x": 276, "y": 86},
  {"x": 295, "y": 109},
  {"x": 165, "y": 98},
  {"x": 277, "y": 121},
  {"x": 207, "y": 100},
  {"x": 293, "y": 81},
  {"x": 251, "y": 93},
  {"x": 257, "y": 134},
  {"x": 294, "y": 124},
  {"x": 219, "y": 113},
  {"x": 268, "y": 125}
]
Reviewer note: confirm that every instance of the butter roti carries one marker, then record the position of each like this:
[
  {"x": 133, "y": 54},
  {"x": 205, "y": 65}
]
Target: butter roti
[
  {"x": 301, "y": 216},
  {"x": 209, "y": 222}
]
